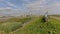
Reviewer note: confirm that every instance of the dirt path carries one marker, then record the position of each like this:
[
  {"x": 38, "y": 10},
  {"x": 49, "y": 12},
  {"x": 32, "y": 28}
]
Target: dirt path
[
  {"x": 23, "y": 25},
  {"x": 55, "y": 17}
]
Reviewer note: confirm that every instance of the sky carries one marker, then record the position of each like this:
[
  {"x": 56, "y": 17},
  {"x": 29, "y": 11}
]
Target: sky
[{"x": 37, "y": 6}]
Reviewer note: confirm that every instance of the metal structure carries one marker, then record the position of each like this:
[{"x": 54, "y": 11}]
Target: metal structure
[{"x": 46, "y": 16}]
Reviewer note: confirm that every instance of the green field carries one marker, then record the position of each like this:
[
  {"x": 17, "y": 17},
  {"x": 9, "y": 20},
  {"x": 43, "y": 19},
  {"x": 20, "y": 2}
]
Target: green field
[
  {"x": 36, "y": 26},
  {"x": 55, "y": 15}
]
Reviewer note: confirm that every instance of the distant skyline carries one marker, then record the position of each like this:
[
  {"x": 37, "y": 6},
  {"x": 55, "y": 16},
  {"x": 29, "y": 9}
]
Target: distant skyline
[{"x": 53, "y": 6}]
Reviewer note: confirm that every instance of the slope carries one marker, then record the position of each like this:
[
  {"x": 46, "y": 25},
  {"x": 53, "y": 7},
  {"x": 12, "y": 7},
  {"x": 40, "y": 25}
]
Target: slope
[{"x": 38, "y": 27}]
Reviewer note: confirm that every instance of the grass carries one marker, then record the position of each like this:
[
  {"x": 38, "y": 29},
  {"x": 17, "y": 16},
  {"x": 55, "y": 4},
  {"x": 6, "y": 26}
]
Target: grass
[
  {"x": 54, "y": 21},
  {"x": 35, "y": 27},
  {"x": 12, "y": 24},
  {"x": 8, "y": 27},
  {"x": 38, "y": 27},
  {"x": 56, "y": 24}
]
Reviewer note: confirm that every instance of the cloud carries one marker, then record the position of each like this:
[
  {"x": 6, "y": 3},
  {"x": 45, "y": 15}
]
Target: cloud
[
  {"x": 37, "y": 6},
  {"x": 11, "y": 4},
  {"x": 54, "y": 8},
  {"x": 25, "y": 0},
  {"x": 41, "y": 7},
  {"x": 1, "y": 0},
  {"x": 57, "y": 4},
  {"x": 6, "y": 8}
]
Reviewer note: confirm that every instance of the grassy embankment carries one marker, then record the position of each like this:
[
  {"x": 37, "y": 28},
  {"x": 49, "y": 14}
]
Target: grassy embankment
[{"x": 38, "y": 27}]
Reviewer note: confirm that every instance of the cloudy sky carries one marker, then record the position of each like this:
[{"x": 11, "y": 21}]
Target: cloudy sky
[{"x": 37, "y": 6}]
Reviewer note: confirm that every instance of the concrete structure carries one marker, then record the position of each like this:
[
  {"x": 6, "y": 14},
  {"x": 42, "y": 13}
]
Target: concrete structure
[{"x": 46, "y": 16}]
